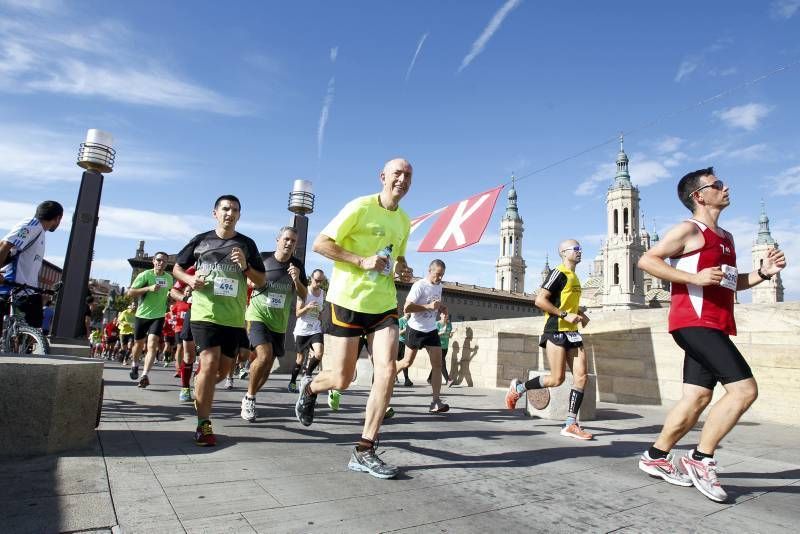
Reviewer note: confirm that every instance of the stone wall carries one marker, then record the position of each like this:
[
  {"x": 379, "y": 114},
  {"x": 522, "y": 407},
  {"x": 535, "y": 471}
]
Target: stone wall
[{"x": 634, "y": 357}]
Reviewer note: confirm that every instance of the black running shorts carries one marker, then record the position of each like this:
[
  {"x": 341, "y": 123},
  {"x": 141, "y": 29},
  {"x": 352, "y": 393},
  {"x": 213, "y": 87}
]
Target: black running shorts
[
  {"x": 209, "y": 335},
  {"x": 169, "y": 340},
  {"x": 341, "y": 322},
  {"x": 126, "y": 338},
  {"x": 146, "y": 327},
  {"x": 710, "y": 357},
  {"x": 259, "y": 334},
  {"x": 560, "y": 339},
  {"x": 186, "y": 330},
  {"x": 244, "y": 340},
  {"x": 417, "y": 340},
  {"x": 303, "y": 343}
]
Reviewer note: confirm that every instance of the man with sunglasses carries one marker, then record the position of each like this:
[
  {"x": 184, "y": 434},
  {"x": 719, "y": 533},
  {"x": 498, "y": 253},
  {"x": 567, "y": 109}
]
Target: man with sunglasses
[
  {"x": 151, "y": 287},
  {"x": 559, "y": 299},
  {"x": 699, "y": 259}
]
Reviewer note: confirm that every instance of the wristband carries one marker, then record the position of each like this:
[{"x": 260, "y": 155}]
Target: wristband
[
  {"x": 762, "y": 275},
  {"x": 247, "y": 268}
]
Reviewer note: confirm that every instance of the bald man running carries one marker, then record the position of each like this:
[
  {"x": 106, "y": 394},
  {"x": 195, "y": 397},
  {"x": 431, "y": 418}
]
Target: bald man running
[{"x": 559, "y": 299}]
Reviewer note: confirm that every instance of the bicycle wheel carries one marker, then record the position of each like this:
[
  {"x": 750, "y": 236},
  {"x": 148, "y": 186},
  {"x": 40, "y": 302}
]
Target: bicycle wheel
[{"x": 30, "y": 341}]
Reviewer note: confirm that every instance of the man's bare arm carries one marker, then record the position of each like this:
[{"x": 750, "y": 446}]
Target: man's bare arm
[{"x": 678, "y": 240}]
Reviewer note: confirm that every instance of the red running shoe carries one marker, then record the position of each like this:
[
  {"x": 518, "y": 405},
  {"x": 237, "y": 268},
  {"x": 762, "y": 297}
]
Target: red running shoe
[{"x": 204, "y": 435}]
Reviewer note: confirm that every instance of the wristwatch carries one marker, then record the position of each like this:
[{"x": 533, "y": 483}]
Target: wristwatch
[
  {"x": 563, "y": 314},
  {"x": 762, "y": 275}
]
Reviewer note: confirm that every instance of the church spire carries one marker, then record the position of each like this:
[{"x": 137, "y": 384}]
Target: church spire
[
  {"x": 511, "y": 208},
  {"x": 764, "y": 235},
  {"x": 622, "y": 179}
]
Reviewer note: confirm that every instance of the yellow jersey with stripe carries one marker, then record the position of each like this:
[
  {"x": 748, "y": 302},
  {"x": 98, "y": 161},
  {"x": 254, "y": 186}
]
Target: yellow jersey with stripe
[{"x": 565, "y": 294}]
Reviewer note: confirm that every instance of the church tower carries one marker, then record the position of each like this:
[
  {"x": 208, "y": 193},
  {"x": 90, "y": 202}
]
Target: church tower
[
  {"x": 510, "y": 267},
  {"x": 768, "y": 291},
  {"x": 623, "y": 280}
]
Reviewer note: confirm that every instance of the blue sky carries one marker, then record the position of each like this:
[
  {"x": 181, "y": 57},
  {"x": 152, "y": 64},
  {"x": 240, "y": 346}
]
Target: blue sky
[{"x": 204, "y": 100}]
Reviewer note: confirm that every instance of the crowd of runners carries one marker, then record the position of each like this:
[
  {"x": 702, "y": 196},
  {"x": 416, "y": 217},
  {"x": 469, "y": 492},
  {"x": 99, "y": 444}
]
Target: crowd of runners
[{"x": 231, "y": 305}]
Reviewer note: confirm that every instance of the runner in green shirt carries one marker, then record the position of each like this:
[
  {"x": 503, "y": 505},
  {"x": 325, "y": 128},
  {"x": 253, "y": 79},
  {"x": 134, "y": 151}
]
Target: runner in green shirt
[
  {"x": 445, "y": 328},
  {"x": 224, "y": 260},
  {"x": 268, "y": 313},
  {"x": 367, "y": 242},
  {"x": 151, "y": 287}
]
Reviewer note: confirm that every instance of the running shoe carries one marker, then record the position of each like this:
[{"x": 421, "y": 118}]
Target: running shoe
[
  {"x": 512, "y": 395},
  {"x": 144, "y": 381},
  {"x": 334, "y": 398},
  {"x": 389, "y": 413},
  {"x": 229, "y": 383},
  {"x": 185, "y": 395},
  {"x": 664, "y": 468},
  {"x": 165, "y": 364},
  {"x": 439, "y": 407},
  {"x": 243, "y": 374},
  {"x": 449, "y": 383},
  {"x": 575, "y": 431},
  {"x": 292, "y": 387},
  {"x": 704, "y": 476},
  {"x": 408, "y": 383},
  {"x": 304, "y": 408},
  {"x": 177, "y": 374},
  {"x": 369, "y": 462},
  {"x": 134, "y": 374},
  {"x": 204, "y": 435},
  {"x": 248, "y": 409}
]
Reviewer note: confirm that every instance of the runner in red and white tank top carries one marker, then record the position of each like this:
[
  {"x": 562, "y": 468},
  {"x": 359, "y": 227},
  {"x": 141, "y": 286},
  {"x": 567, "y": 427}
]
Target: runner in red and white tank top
[
  {"x": 708, "y": 306},
  {"x": 698, "y": 258}
]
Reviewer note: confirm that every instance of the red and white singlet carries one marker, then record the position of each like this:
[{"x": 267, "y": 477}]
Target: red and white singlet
[{"x": 708, "y": 306}]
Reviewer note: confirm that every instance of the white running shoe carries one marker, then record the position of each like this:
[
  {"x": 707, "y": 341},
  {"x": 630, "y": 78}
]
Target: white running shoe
[
  {"x": 248, "y": 409},
  {"x": 229, "y": 383},
  {"x": 704, "y": 475},
  {"x": 664, "y": 468}
]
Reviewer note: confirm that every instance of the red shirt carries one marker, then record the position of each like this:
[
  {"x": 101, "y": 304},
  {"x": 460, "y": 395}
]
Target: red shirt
[
  {"x": 180, "y": 285},
  {"x": 708, "y": 306},
  {"x": 167, "y": 330},
  {"x": 178, "y": 311},
  {"x": 111, "y": 330}
]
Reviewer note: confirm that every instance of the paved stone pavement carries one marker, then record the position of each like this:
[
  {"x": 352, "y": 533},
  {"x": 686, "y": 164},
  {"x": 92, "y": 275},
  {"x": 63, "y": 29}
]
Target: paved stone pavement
[{"x": 479, "y": 468}]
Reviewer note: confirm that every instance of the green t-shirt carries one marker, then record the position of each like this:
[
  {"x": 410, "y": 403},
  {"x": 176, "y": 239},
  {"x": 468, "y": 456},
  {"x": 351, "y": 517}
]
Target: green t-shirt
[
  {"x": 364, "y": 227},
  {"x": 125, "y": 322},
  {"x": 152, "y": 305},
  {"x": 95, "y": 336},
  {"x": 272, "y": 304},
  {"x": 444, "y": 333},
  {"x": 402, "y": 325},
  {"x": 223, "y": 298}
]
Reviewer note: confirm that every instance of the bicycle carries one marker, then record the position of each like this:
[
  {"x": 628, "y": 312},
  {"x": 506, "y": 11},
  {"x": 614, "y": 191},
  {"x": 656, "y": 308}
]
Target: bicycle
[{"x": 18, "y": 337}]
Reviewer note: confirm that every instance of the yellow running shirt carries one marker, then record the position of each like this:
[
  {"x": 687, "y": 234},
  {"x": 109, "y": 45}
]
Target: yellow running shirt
[
  {"x": 364, "y": 227},
  {"x": 565, "y": 294}
]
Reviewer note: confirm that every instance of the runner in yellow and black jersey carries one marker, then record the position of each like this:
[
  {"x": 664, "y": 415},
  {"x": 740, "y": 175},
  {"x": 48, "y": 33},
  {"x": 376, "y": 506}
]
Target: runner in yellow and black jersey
[{"x": 559, "y": 297}]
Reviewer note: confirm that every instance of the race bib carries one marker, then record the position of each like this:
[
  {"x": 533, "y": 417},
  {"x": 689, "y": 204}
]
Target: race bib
[
  {"x": 276, "y": 300},
  {"x": 313, "y": 313},
  {"x": 226, "y": 287},
  {"x": 730, "y": 276},
  {"x": 573, "y": 337},
  {"x": 161, "y": 282}
]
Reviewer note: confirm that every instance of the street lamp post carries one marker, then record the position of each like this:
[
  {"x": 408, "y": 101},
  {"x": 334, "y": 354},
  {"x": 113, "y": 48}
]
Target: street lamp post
[
  {"x": 301, "y": 203},
  {"x": 96, "y": 155}
]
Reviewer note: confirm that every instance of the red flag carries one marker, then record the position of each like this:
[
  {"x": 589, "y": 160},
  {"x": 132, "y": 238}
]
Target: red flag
[
  {"x": 461, "y": 224},
  {"x": 417, "y": 221}
]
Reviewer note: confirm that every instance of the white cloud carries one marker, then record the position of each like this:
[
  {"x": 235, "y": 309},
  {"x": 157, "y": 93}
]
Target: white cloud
[
  {"x": 327, "y": 102},
  {"x": 750, "y": 153},
  {"x": 729, "y": 71},
  {"x": 604, "y": 173},
  {"x": 97, "y": 62},
  {"x": 669, "y": 144},
  {"x": 334, "y": 54},
  {"x": 686, "y": 67},
  {"x": 33, "y": 5},
  {"x": 646, "y": 171},
  {"x": 746, "y": 117},
  {"x": 416, "y": 54},
  {"x": 788, "y": 182},
  {"x": 488, "y": 32},
  {"x": 784, "y": 9}
]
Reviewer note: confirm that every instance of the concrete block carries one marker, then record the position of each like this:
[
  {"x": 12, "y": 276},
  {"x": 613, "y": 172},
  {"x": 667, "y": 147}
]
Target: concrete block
[
  {"x": 559, "y": 400},
  {"x": 48, "y": 403}
]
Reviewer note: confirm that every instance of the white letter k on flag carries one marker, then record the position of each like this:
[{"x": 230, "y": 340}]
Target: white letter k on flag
[{"x": 459, "y": 217}]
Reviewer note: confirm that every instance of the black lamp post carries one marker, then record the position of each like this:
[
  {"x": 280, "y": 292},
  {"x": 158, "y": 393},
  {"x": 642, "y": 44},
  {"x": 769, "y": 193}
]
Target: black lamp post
[{"x": 96, "y": 155}]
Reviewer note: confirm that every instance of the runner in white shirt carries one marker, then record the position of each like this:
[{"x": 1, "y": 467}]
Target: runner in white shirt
[
  {"x": 21, "y": 256},
  {"x": 307, "y": 329},
  {"x": 423, "y": 302}
]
